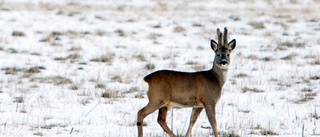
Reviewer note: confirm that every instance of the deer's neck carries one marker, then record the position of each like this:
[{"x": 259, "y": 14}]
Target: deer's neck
[{"x": 221, "y": 73}]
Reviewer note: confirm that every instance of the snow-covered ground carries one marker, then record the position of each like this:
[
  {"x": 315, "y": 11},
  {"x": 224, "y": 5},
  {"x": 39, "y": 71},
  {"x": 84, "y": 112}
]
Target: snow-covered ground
[{"x": 73, "y": 68}]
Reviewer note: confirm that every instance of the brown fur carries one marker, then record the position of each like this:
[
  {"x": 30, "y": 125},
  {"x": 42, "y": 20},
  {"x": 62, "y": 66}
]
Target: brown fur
[
  {"x": 186, "y": 89},
  {"x": 199, "y": 90}
]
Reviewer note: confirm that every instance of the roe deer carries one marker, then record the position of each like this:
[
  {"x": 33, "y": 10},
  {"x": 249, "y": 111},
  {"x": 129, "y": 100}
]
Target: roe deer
[{"x": 198, "y": 90}]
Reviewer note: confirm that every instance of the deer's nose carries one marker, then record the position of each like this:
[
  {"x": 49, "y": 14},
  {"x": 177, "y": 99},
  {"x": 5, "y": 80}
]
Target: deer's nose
[{"x": 224, "y": 62}]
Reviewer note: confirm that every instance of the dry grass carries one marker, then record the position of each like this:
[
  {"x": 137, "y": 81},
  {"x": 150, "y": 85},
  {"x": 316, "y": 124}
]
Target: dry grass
[
  {"x": 75, "y": 49},
  {"x": 140, "y": 57},
  {"x": 306, "y": 96},
  {"x": 150, "y": 66},
  {"x": 101, "y": 86},
  {"x": 18, "y": 34},
  {"x": 56, "y": 80},
  {"x": 74, "y": 87},
  {"x": 120, "y": 33},
  {"x": 110, "y": 94},
  {"x": 104, "y": 58},
  {"x": 255, "y": 90},
  {"x": 289, "y": 44},
  {"x": 257, "y": 25},
  {"x": 291, "y": 56},
  {"x": 71, "y": 57},
  {"x": 25, "y": 71},
  {"x": 52, "y": 38},
  {"x": 316, "y": 61},
  {"x": 267, "y": 132},
  {"x": 116, "y": 78},
  {"x": 18, "y": 100},
  {"x": 11, "y": 70},
  {"x": 241, "y": 75},
  {"x": 12, "y": 51},
  {"x": 316, "y": 77},
  {"x": 229, "y": 134},
  {"x": 179, "y": 29}
]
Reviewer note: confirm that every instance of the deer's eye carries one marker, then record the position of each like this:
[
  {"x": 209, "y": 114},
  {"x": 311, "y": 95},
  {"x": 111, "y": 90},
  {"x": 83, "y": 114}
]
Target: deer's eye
[
  {"x": 218, "y": 55},
  {"x": 228, "y": 55}
]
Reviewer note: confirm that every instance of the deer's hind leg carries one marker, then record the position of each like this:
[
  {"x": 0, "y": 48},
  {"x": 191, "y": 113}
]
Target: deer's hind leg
[
  {"x": 156, "y": 101},
  {"x": 162, "y": 121},
  {"x": 158, "y": 98},
  {"x": 145, "y": 111}
]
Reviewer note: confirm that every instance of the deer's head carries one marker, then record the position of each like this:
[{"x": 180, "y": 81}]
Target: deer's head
[{"x": 222, "y": 49}]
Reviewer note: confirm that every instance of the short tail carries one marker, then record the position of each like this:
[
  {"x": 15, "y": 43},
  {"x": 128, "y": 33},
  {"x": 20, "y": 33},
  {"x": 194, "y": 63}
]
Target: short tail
[{"x": 145, "y": 85}]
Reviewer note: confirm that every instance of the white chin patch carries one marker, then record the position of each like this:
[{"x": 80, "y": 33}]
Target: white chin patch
[
  {"x": 221, "y": 66},
  {"x": 224, "y": 66}
]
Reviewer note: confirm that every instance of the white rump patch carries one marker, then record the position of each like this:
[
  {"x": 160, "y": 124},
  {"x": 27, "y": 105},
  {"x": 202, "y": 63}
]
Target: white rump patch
[{"x": 145, "y": 85}]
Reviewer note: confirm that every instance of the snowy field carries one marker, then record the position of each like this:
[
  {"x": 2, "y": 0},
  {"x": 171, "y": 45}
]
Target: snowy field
[{"x": 73, "y": 68}]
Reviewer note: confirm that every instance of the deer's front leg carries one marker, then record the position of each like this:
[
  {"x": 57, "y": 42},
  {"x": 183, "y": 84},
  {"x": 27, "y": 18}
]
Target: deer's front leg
[
  {"x": 194, "y": 116},
  {"x": 211, "y": 113}
]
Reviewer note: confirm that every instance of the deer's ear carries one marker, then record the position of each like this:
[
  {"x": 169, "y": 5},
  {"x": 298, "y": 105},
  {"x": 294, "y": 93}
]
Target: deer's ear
[
  {"x": 214, "y": 45},
  {"x": 232, "y": 44}
]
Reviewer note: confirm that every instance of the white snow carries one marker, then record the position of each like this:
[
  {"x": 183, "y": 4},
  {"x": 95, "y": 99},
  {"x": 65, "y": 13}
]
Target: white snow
[{"x": 272, "y": 86}]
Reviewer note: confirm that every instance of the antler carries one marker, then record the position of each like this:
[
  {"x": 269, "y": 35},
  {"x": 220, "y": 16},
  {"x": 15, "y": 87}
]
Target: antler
[
  {"x": 225, "y": 37},
  {"x": 219, "y": 37}
]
